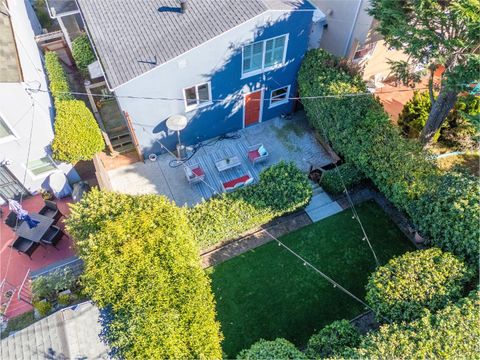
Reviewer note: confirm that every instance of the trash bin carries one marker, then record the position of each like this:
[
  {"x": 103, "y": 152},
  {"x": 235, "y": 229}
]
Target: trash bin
[{"x": 79, "y": 189}]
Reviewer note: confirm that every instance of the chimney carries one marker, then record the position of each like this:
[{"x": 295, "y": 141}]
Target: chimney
[{"x": 183, "y": 6}]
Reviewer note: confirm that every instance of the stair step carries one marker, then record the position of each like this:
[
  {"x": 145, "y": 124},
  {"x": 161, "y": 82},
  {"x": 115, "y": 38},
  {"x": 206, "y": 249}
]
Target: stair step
[
  {"x": 324, "y": 211},
  {"x": 318, "y": 200}
]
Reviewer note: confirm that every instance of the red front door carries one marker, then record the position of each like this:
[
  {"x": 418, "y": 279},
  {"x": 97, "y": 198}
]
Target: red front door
[{"x": 253, "y": 104}]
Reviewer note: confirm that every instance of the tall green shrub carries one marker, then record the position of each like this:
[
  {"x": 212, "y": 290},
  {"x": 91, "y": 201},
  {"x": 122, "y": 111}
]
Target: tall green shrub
[
  {"x": 335, "y": 181},
  {"x": 410, "y": 284},
  {"x": 82, "y": 53},
  {"x": 58, "y": 82},
  {"x": 414, "y": 115},
  {"x": 360, "y": 130},
  {"x": 332, "y": 340},
  {"x": 451, "y": 333},
  {"x": 269, "y": 350},
  {"x": 77, "y": 135},
  {"x": 142, "y": 264}
]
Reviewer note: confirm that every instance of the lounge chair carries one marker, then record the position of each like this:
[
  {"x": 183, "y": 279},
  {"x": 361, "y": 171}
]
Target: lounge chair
[
  {"x": 194, "y": 173},
  {"x": 257, "y": 153},
  {"x": 51, "y": 210}
]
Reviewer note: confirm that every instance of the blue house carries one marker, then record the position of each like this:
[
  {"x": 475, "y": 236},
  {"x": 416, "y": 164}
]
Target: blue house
[{"x": 224, "y": 64}]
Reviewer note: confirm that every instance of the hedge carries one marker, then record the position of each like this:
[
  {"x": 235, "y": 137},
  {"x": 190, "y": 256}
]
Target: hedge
[
  {"x": 409, "y": 284},
  {"x": 58, "y": 82},
  {"x": 268, "y": 350},
  {"x": 82, "y": 53},
  {"x": 332, "y": 340},
  {"x": 335, "y": 183},
  {"x": 77, "y": 135},
  {"x": 142, "y": 269},
  {"x": 360, "y": 130},
  {"x": 451, "y": 333},
  {"x": 282, "y": 189}
]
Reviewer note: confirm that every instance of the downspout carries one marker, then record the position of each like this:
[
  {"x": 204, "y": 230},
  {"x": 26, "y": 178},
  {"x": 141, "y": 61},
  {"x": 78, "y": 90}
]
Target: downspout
[{"x": 347, "y": 45}]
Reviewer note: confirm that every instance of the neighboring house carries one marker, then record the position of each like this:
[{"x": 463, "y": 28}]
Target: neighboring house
[
  {"x": 223, "y": 64},
  {"x": 71, "y": 333},
  {"x": 350, "y": 32},
  {"x": 26, "y": 119},
  {"x": 68, "y": 17}
]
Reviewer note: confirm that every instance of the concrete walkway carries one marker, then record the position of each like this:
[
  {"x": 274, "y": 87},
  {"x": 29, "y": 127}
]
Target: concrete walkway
[{"x": 321, "y": 206}]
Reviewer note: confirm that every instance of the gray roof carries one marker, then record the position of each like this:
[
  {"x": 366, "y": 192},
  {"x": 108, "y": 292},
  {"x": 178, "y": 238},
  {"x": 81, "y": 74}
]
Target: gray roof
[
  {"x": 128, "y": 33},
  {"x": 70, "y": 333}
]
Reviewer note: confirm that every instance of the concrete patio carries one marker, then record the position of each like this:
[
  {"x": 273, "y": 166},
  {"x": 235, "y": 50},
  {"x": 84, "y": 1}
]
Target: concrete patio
[{"x": 289, "y": 140}]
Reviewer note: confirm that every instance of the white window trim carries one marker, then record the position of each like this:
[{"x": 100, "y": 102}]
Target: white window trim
[
  {"x": 263, "y": 68},
  {"x": 12, "y": 136},
  {"x": 278, "y": 103},
  {"x": 46, "y": 173},
  {"x": 198, "y": 105}
]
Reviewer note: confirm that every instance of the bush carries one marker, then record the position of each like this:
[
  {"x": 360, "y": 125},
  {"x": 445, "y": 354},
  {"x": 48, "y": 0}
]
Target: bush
[
  {"x": 282, "y": 188},
  {"x": 58, "y": 82},
  {"x": 451, "y": 333},
  {"x": 268, "y": 350},
  {"x": 332, "y": 182},
  {"x": 332, "y": 340},
  {"x": 48, "y": 286},
  {"x": 409, "y": 284},
  {"x": 43, "y": 307},
  {"x": 82, "y": 53},
  {"x": 360, "y": 130},
  {"x": 77, "y": 135},
  {"x": 63, "y": 299},
  {"x": 414, "y": 115},
  {"x": 142, "y": 264}
]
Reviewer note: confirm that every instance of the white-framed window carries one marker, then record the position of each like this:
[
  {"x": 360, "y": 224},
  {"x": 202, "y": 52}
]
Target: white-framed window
[
  {"x": 5, "y": 131},
  {"x": 41, "y": 166},
  {"x": 197, "y": 96},
  {"x": 264, "y": 55},
  {"x": 364, "y": 51},
  {"x": 279, "y": 96}
]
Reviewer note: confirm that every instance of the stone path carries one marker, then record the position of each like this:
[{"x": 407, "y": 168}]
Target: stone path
[{"x": 321, "y": 206}]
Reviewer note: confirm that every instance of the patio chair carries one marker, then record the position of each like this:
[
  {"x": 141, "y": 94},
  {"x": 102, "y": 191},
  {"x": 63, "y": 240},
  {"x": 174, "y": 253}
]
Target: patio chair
[
  {"x": 52, "y": 236},
  {"x": 25, "y": 246},
  {"x": 51, "y": 210},
  {"x": 11, "y": 220},
  {"x": 257, "y": 154},
  {"x": 194, "y": 173},
  {"x": 239, "y": 182}
]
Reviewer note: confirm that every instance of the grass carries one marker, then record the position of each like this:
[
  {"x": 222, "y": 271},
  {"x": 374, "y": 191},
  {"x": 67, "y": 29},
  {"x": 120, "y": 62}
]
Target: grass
[
  {"x": 18, "y": 323},
  {"x": 269, "y": 293}
]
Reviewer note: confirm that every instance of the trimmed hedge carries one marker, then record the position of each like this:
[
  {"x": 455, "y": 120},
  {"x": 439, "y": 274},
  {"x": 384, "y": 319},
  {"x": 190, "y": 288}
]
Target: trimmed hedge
[
  {"x": 142, "y": 268},
  {"x": 77, "y": 135},
  {"x": 82, "y": 53},
  {"x": 360, "y": 130},
  {"x": 451, "y": 333},
  {"x": 58, "y": 82},
  {"x": 350, "y": 175},
  {"x": 282, "y": 189},
  {"x": 408, "y": 285},
  {"x": 332, "y": 340},
  {"x": 269, "y": 350}
]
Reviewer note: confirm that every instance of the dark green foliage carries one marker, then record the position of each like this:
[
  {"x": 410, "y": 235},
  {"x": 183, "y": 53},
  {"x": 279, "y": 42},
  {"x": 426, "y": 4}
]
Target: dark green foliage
[
  {"x": 282, "y": 188},
  {"x": 359, "y": 129},
  {"x": 58, "y": 82},
  {"x": 268, "y": 350},
  {"x": 141, "y": 263},
  {"x": 48, "y": 286},
  {"x": 83, "y": 53},
  {"x": 410, "y": 284},
  {"x": 43, "y": 307},
  {"x": 332, "y": 340},
  {"x": 451, "y": 333},
  {"x": 414, "y": 115},
  {"x": 333, "y": 182},
  {"x": 267, "y": 292}
]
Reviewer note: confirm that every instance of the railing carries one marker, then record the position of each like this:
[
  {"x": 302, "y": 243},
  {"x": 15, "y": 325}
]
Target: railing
[{"x": 24, "y": 292}]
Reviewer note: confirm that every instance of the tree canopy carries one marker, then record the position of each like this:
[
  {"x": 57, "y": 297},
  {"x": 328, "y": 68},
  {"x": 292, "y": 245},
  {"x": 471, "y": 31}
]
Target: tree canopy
[{"x": 268, "y": 350}]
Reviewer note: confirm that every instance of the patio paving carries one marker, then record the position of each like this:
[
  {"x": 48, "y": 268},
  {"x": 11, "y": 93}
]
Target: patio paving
[
  {"x": 289, "y": 140},
  {"x": 14, "y": 266}
]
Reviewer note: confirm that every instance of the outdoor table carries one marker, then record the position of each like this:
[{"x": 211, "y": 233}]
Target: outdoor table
[
  {"x": 228, "y": 163},
  {"x": 35, "y": 234}
]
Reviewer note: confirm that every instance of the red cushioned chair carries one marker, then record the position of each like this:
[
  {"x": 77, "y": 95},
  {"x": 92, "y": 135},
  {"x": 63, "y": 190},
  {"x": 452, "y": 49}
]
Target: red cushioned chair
[
  {"x": 194, "y": 173},
  {"x": 257, "y": 153}
]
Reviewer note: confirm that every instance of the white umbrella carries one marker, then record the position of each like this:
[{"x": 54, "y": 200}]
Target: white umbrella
[{"x": 21, "y": 213}]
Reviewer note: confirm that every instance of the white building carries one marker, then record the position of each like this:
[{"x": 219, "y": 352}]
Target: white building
[{"x": 26, "y": 119}]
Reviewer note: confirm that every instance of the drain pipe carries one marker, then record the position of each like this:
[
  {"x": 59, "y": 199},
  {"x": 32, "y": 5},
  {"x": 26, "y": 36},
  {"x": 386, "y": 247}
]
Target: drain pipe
[{"x": 347, "y": 45}]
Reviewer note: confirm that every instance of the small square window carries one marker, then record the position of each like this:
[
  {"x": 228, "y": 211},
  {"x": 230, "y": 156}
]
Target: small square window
[
  {"x": 197, "y": 95},
  {"x": 279, "y": 96},
  {"x": 40, "y": 166}
]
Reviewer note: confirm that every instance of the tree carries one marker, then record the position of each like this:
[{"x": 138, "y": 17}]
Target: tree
[
  {"x": 142, "y": 268},
  {"x": 434, "y": 33},
  {"x": 409, "y": 284},
  {"x": 77, "y": 135},
  {"x": 332, "y": 340},
  {"x": 451, "y": 333},
  {"x": 269, "y": 350}
]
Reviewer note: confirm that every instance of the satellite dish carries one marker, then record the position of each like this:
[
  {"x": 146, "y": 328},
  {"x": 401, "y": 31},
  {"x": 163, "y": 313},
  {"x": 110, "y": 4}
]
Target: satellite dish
[{"x": 176, "y": 122}]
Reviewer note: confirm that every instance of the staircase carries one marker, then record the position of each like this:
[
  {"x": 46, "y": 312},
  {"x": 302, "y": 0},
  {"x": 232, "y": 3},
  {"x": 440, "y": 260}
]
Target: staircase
[
  {"x": 121, "y": 140},
  {"x": 321, "y": 206}
]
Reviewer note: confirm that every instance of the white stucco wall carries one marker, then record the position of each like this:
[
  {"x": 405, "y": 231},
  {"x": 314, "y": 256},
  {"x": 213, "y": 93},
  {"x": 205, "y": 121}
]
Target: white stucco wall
[
  {"x": 344, "y": 25},
  {"x": 16, "y": 105}
]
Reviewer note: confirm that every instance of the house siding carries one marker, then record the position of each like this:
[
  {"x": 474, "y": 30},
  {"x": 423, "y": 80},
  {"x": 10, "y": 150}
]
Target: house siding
[{"x": 218, "y": 61}]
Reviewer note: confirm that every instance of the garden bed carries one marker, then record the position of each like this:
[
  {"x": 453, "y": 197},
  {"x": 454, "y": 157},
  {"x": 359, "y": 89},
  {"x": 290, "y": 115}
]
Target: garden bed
[{"x": 268, "y": 293}]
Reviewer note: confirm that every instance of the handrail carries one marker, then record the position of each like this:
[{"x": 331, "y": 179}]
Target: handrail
[{"x": 21, "y": 288}]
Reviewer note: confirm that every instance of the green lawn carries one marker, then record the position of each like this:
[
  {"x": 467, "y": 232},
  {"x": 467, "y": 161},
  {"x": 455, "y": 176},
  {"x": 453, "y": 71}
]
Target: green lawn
[{"x": 269, "y": 293}]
